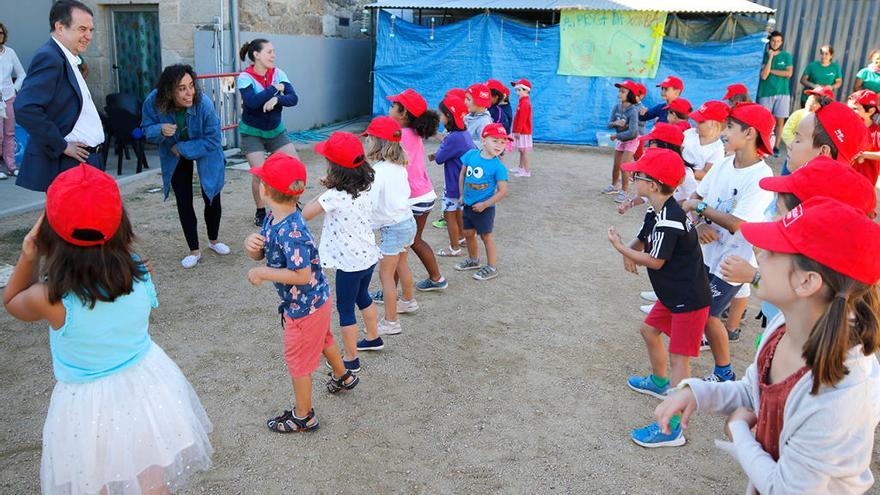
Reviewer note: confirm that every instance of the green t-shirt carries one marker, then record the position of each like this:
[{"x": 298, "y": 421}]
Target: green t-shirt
[
  {"x": 180, "y": 118},
  {"x": 871, "y": 79},
  {"x": 776, "y": 85},
  {"x": 818, "y": 74}
]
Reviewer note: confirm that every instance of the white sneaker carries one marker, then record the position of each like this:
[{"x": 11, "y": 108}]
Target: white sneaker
[
  {"x": 3, "y": 176},
  {"x": 191, "y": 260},
  {"x": 410, "y": 306},
  {"x": 389, "y": 327},
  {"x": 646, "y": 308},
  {"x": 648, "y": 295},
  {"x": 704, "y": 344},
  {"x": 14, "y": 173},
  {"x": 219, "y": 248}
]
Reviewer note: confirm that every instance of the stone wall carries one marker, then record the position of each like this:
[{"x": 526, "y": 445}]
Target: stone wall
[{"x": 303, "y": 17}]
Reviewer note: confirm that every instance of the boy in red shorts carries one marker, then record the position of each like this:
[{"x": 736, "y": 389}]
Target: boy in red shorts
[{"x": 668, "y": 246}]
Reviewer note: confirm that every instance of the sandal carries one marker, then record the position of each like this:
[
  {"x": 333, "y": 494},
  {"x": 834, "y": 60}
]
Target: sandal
[
  {"x": 448, "y": 252},
  {"x": 337, "y": 384},
  {"x": 288, "y": 423}
]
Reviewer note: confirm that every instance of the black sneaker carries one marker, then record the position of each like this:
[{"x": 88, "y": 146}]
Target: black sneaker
[
  {"x": 259, "y": 217},
  {"x": 734, "y": 335}
]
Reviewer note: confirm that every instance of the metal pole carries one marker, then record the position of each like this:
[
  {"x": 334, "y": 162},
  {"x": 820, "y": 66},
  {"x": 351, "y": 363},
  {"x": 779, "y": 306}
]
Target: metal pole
[{"x": 236, "y": 63}]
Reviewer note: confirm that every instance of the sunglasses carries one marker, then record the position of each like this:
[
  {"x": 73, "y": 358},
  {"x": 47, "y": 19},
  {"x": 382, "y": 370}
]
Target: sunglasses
[{"x": 643, "y": 177}]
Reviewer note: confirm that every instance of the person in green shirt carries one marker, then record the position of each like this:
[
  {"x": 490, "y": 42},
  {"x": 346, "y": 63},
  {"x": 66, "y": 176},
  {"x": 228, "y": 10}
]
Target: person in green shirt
[
  {"x": 774, "y": 91},
  {"x": 822, "y": 72},
  {"x": 869, "y": 77}
]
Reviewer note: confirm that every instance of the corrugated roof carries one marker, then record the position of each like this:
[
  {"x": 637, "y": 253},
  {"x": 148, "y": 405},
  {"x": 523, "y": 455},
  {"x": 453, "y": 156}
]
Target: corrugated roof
[{"x": 695, "y": 6}]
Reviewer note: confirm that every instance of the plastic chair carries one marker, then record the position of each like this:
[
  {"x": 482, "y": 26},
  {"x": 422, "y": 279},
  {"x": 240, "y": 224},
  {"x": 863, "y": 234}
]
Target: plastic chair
[{"x": 124, "y": 120}]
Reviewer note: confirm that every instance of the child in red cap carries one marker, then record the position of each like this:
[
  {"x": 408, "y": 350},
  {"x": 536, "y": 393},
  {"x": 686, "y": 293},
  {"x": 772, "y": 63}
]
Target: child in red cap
[
  {"x": 833, "y": 130},
  {"x": 483, "y": 184},
  {"x": 522, "y": 126},
  {"x": 737, "y": 93},
  {"x": 624, "y": 119},
  {"x": 500, "y": 108},
  {"x": 121, "y": 412},
  {"x": 702, "y": 147},
  {"x": 478, "y": 98},
  {"x": 811, "y": 105},
  {"x": 803, "y": 418},
  {"x": 668, "y": 247},
  {"x": 728, "y": 196},
  {"x": 347, "y": 240},
  {"x": 670, "y": 89},
  {"x": 678, "y": 113},
  {"x": 867, "y": 161},
  {"x": 294, "y": 268}
]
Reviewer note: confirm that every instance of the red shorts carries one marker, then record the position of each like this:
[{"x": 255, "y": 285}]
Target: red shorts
[
  {"x": 685, "y": 330},
  {"x": 305, "y": 340}
]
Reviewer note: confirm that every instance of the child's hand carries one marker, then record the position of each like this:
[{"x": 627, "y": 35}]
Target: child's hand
[
  {"x": 741, "y": 414},
  {"x": 624, "y": 207},
  {"x": 630, "y": 265},
  {"x": 254, "y": 243},
  {"x": 706, "y": 234},
  {"x": 619, "y": 123},
  {"x": 279, "y": 87},
  {"x": 736, "y": 270},
  {"x": 29, "y": 244},
  {"x": 643, "y": 111},
  {"x": 614, "y": 238},
  {"x": 431, "y": 157},
  {"x": 681, "y": 402},
  {"x": 479, "y": 207},
  {"x": 253, "y": 276}
]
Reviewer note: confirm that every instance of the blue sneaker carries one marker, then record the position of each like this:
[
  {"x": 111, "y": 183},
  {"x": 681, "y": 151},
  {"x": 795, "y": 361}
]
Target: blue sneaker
[
  {"x": 354, "y": 365},
  {"x": 371, "y": 345},
  {"x": 651, "y": 436},
  {"x": 377, "y": 297},
  {"x": 645, "y": 385},
  {"x": 429, "y": 285},
  {"x": 715, "y": 377}
]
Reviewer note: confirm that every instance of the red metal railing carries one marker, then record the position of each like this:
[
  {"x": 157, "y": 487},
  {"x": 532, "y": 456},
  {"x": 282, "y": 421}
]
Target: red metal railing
[{"x": 222, "y": 91}]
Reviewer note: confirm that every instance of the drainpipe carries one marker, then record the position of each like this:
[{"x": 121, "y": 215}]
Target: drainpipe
[{"x": 236, "y": 62}]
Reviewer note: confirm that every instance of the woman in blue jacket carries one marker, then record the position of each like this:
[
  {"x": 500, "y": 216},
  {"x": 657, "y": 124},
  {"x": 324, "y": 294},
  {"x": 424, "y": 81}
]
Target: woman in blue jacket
[
  {"x": 265, "y": 91},
  {"x": 183, "y": 124}
]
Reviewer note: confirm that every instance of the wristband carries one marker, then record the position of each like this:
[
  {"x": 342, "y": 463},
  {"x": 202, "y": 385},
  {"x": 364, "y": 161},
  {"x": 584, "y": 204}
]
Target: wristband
[
  {"x": 756, "y": 279},
  {"x": 701, "y": 207}
]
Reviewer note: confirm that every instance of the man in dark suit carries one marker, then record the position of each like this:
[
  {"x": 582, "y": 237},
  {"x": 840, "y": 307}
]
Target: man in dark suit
[{"x": 55, "y": 106}]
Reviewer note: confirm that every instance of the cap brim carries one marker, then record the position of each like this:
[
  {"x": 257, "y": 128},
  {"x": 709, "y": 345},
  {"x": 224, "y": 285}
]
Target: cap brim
[
  {"x": 779, "y": 184},
  {"x": 767, "y": 236},
  {"x": 728, "y": 96},
  {"x": 697, "y": 117},
  {"x": 320, "y": 148},
  {"x": 630, "y": 167}
]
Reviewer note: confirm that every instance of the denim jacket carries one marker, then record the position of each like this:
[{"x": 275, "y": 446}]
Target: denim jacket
[{"x": 203, "y": 147}]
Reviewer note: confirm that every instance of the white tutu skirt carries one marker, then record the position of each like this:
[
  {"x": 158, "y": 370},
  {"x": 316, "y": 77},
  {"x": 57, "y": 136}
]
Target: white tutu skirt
[{"x": 127, "y": 433}]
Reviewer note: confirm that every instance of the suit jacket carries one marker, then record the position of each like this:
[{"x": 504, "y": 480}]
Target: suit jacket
[{"x": 47, "y": 107}]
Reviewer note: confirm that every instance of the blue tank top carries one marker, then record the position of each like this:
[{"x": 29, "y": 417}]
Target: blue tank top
[{"x": 96, "y": 342}]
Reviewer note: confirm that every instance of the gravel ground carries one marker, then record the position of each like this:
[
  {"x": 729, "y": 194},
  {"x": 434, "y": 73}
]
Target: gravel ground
[{"x": 515, "y": 385}]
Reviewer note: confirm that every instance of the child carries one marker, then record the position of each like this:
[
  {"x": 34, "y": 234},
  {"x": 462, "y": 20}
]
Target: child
[
  {"x": 678, "y": 113},
  {"x": 670, "y": 89},
  {"x": 122, "y": 417},
  {"x": 812, "y": 104},
  {"x": 867, "y": 162},
  {"x": 522, "y": 126},
  {"x": 478, "y": 99},
  {"x": 666, "y": 136},
  {"x": 483, "y": 184},
  {"x": 410, "y": 110},
  {"x": 294, "y": 267},
  {"x": 728, "y": 196},
  {"x": 810, "y": 395},
  {"x": 833, "y": 130},
  {"x": 668, "y": 246},
  {"x": 625, "y": 120},
  {"x": 702, "y": 147},
  {"x": 347, "y": 241},
  {"x": 737, "y": 93},
  {"x": 500, "y": 108},
  {"x": 456, "y": 144},
  {"x": 393, "y": 218}
]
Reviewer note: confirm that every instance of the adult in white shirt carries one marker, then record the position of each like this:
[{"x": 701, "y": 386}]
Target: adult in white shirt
[
  {"x": 10, "y": 67},
  {"x": 54, "y": 105}
]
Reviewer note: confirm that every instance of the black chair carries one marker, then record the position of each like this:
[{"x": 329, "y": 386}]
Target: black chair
[{"x": 124, "y": 120}]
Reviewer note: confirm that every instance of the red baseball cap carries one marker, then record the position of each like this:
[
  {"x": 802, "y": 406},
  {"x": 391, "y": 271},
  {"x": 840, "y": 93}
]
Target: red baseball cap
[
  {"x": 668, "y": 133},
  {"x": 498, "y": 86},
  {"x": 754, "y": 115},
  {"x": 343, "y": 149},
  {"x": 821, "y": 91},
  {"x": 735, "y": 89},
  {"x": 455, "y": 92},
  {"x": 679, "y": 105},
  {"x": 411, "y": 101},
  {"x": 384, "y": 127},
  {"x": 865, "y": 97},
  {"x": 457, "y": 108},
  {"x": 280, "y": 171},
  {"x": 824, "y": 176},
  {"x": 480, "y": 94},
  {"x": 711, "y": 110},
  {"x": 826, "y": 231},
  {"x": 630, "y": 85},
  {"x": 663, "y": 165},
  {"x": 522, "y": 82},
  {"x": 671, "y": 82},
  {"x": 643, "y": 90},
  {"x": 81, "y": 201},
  {"x": 496, "y": 130},
  {"x": 845, "y": 128}
]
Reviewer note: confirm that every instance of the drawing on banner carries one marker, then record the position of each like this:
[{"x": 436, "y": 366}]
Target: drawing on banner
[{"x": 609, "y": 43}]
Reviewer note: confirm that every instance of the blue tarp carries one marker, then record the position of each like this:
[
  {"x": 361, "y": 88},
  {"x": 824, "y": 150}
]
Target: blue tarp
[{"x": 567, "y": 109}]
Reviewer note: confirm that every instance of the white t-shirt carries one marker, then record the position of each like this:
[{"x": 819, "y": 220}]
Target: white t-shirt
[
  {"x": 347, "y": 241},
  {"x": 687, "y": 186},
  {"x": 735, "y": 191},
  {"x": 390, "y": 193},
  {"x": 699, "y": 155}
]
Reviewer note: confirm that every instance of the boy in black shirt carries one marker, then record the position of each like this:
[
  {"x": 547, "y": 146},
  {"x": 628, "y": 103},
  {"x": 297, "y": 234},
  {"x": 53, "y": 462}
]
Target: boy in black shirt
[{"x": 668, "y": 246}]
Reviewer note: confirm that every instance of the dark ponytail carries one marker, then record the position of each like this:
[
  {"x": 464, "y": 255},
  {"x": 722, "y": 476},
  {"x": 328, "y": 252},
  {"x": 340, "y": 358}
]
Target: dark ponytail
[
  {"x": 850, "y": 320},
  {"x": 247, "y": 50},
  {"x": 425, "y": 125}
]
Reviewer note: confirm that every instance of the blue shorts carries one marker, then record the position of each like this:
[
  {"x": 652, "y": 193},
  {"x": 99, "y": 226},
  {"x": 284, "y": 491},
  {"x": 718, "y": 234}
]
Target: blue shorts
[
  {"x": 722, "y": 294},
  {"x": 352, "y": 288},
  {"x": 482, "y": 222},
  {"x": 394, "y": 239}
]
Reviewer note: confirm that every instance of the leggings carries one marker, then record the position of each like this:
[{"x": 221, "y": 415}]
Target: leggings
[
  {"x": 181, "y": 183},
  {"x": 351, "y": 288}
]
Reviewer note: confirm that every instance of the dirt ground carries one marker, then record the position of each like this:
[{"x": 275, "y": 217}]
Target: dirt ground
[{"x": 516, "y": 385}]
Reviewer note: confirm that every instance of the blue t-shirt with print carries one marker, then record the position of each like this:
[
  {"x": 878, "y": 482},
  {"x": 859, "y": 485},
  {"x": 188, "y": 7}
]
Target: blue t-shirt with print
[
  {"x": 481, "y": 176},
  {"x": 290, "y": 245}
]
